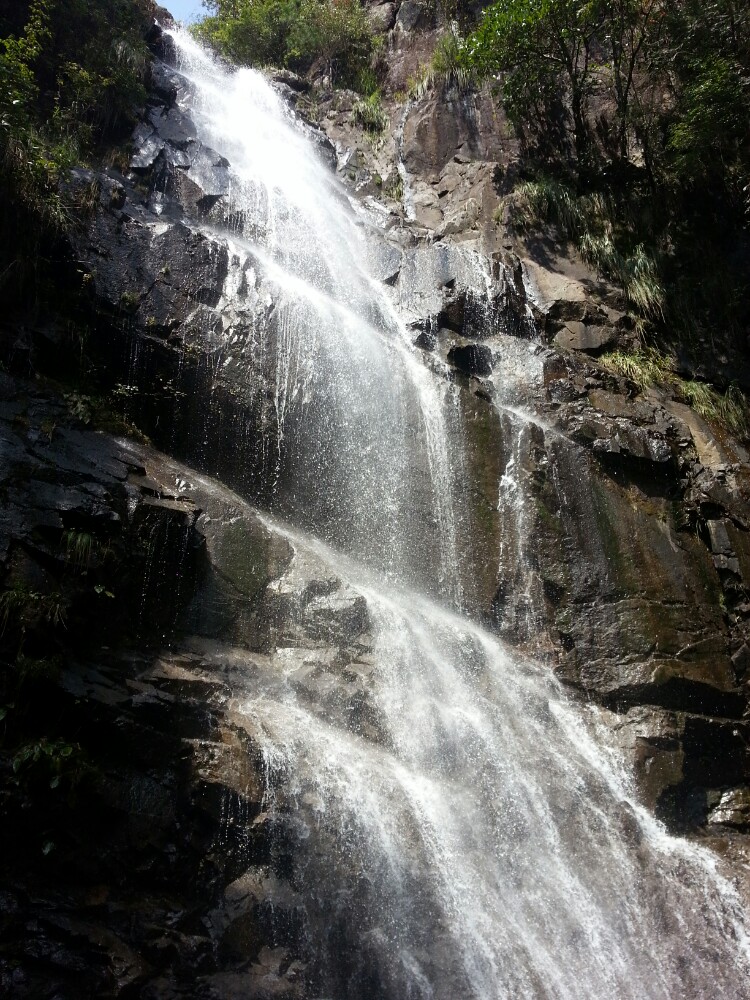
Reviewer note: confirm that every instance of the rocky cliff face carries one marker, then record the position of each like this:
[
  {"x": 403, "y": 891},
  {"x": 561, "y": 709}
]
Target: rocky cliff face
[{"x": 146, "y": 598}]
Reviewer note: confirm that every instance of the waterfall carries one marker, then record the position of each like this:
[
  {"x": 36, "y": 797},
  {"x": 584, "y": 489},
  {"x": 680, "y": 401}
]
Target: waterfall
[{"x": 466, "y": 832}]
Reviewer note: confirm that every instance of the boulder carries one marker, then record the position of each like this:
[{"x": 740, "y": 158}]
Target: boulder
[
  {"x": 410, "y": 14},
  {"x": 382, "y": 17},
  {"x": 472, "y": 359},
  {"x": 577, "y": 336}
]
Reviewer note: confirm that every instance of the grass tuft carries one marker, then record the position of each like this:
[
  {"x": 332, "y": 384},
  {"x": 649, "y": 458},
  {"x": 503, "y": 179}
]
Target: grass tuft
[
  {"x": 729, "y": 409},
  {"x": 584, "y": 219},
  {"x": 79, "y": 548},
  {"x": 446, "y": 67},
  {"x": 645, "y": 367},
  {"x": 370, "y": 115},
  {"x": 648, "y": 367}
]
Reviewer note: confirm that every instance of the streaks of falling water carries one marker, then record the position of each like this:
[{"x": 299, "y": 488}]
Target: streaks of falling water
[
  {"x": 403, "y": 173},
  {"x": 477, "y": 842},
  {"x": 358, "y": 415},
  {"x": 502, "y": 850},
  {"x": 522, "y": 610}
]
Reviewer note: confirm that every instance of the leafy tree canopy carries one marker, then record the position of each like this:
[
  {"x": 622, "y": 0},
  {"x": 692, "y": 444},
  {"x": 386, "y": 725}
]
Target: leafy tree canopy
[
  {"x": 646, "y": 105},
  {"x": 293, "y": 33}
]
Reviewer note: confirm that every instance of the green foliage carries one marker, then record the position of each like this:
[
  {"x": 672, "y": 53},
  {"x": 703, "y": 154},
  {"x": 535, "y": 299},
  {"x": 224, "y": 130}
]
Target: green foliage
[
  {"x": 395, "y": 188},
  {"x": 711, "y": 120},
  {"x": 667, "y": 150},
  {"x": 52, "y": 761},
  {"x": 80, "y": 547},
  {"x": 31, "y": 668},
  {"x": 543, "y": 52},
  {"x": 336, "y": 32},
  {"x": 294, "y": 33},
  {"x": 254, "y": 33},
  {"x": 729, "y": 409},
  {"x": 550, "y": 200},
  {"x": 636, "y": 272}
]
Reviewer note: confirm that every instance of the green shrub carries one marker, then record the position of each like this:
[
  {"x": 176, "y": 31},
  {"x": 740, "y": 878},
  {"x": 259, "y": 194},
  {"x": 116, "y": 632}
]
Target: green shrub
[
  {"x": 253, "y": 33},
  {"x": 80, "y": 548},
  {"x": 20, "y": 607}
]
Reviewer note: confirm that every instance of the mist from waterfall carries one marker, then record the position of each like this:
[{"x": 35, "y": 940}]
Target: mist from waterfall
[{"x": 479, "y": 837}]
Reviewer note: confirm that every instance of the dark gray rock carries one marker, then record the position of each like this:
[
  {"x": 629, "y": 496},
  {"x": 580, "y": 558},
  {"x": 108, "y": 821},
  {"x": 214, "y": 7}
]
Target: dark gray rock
[
  {"x": 326, "y": 149},
  {"x": 164, "y": 82},
  {"x": 720, "y": 543},
  {"x": 410, "y": 14},
  {"x": 472, "y": 359},
  {"x": 173, "y": 126}
]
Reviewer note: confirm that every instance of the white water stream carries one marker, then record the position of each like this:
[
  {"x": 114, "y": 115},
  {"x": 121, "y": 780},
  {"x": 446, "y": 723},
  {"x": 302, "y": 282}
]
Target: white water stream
[{"x": 481, "y": 843}]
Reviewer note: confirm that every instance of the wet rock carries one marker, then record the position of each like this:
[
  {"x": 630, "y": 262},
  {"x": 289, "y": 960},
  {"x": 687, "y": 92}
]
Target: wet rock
[
  {"x": 385, "y": 262},
  {"x": 618, "y": 436},
  {"x": 453, "y": 313},
  {"x": 308, "y": 601},
  {"x": 426, "y": 340},
  {"x": 173, "y": 126},
  {"x": 472, "y": 359},
  {"x": 339, "y": 616},
  {"x": 227, "y": 768},
  {"x": 616, "y": 405},
  {"x": 733, "y": 809},
  {"x": 164, "y": 82},
  {"x": 148, "y": 147},
  {"x": 246, "y": 919},
  {"x": 326, "y": 149}
]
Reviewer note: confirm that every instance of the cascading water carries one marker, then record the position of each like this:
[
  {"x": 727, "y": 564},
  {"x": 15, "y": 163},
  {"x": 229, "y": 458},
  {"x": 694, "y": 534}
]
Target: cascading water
[
  {"x": 360, "y": 430},
  {"x": 470, "y": 837}
]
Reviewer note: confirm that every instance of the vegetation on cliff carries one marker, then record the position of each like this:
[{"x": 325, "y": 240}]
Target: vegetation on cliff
[
  {"x": 71, "y": 74},
  {"x": 635, "y": 123}
]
